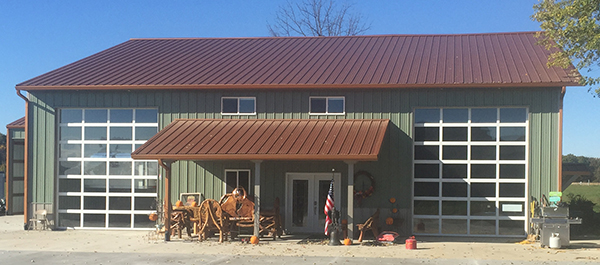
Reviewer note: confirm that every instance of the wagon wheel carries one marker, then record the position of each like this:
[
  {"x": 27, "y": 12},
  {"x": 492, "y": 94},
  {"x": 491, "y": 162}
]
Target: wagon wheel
[{"x": 212, "y": 218}]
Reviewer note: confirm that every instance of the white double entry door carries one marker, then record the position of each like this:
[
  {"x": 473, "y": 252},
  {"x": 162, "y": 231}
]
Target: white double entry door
[{"x": 306, "y": 194}]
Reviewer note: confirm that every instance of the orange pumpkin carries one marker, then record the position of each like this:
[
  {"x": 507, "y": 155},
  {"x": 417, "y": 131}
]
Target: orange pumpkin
[
  {"x": 153, "y": 217},
  {"x": 254, "y": 240},
  {"x": 179, "y": 204},
  {"x": 392, "y": 200},
  {"x": 194, "y": 204},
  {"x": 347, "y": 241},
  {"x": 389, "y": 221},
  {"x": 395, "y": 210}
]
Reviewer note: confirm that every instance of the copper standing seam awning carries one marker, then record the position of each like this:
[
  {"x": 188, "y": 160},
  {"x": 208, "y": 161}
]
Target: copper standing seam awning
[{"x": 259, "y": 139}]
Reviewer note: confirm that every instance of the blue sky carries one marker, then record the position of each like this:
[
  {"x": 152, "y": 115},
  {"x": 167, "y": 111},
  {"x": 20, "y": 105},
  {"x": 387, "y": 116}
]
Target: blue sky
[{"x": 37, "y": 36}]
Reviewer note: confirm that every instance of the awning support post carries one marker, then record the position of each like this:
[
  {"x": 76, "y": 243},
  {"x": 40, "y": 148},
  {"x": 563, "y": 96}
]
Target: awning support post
[
  {"x": 350, "y": 216},
  {"x": 167, "y": 166},
  {"x": 256, "y": 197}
]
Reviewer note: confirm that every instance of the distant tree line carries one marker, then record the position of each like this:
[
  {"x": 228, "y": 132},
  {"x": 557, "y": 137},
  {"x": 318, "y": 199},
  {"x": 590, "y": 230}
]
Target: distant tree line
[{"x": 592, "y": 163}]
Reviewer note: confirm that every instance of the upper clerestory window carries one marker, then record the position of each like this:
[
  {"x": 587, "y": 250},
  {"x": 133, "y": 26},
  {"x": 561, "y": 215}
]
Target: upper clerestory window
[
  {"x": 327, "y": 105},
  {"x": 238, "y": 105}
]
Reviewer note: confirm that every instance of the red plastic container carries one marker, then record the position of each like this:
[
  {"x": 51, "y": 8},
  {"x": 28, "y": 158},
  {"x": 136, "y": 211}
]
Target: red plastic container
[{"x": 411, "y": 243}]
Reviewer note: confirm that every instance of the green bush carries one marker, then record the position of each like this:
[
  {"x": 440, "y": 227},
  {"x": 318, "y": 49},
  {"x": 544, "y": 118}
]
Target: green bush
[{"x": 583, "y": 208}]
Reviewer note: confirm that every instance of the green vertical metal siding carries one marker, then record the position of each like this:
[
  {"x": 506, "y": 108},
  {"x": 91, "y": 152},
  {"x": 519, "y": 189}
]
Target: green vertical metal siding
[{"x": 393, "y": 172}]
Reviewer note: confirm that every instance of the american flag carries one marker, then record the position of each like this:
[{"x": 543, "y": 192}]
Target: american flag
[{"x": 329, "y": 207}]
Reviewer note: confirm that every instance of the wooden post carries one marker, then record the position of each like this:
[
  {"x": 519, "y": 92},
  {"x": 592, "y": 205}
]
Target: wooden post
[
  {"x": 350, "y": 216},
  {"x": 168, "y": 206},
  {"x": 257, "y": 197}
]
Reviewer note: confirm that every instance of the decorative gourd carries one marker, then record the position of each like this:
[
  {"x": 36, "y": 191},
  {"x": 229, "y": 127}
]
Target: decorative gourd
[
  {"x": 254, "y": 240},
  {"x": 392, "y": 200},
  {"x": 178, "y": 204},
  {"x": 153, "y": 217},
  {"x": 347, "y": 241},
  {"x": 389, "y": 221},
  {"x": 395, "y": 210}
]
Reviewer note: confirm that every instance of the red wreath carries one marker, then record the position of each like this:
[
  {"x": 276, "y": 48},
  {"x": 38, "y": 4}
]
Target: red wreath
[{"x": 361, "y": 194}]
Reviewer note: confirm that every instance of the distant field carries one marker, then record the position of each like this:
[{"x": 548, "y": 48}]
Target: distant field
[{"x": 591, "y": 192}]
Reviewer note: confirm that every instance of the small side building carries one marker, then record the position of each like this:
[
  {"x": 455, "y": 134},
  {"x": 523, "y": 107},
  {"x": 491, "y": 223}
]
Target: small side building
[{"x": 15, "y": 166}]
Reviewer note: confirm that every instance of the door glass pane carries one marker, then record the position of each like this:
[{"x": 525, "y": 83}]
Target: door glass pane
[
  {"x": 244, "y": 180},
  {"x": 483, "y": 189},
  {"x": 483, "y": 152},
  {"x": 456, "y": 115},
  {"x": 454, "y": 226},
  {"x": 94, "y": 185},
  {"x": 144, "y": 133},
  {"x": 454, "y": 171},
  {"x": 146, "y": 116},
  {"x": 95, "y": 133},
  {"x": 70, "y": 150},
  {"x": 454, "y": 189},
  {"x": 427, "y": 152},
  {"x": 483, "y": 133},
  {"x": 427, "y": 226},
  {"x": 94, "y": 150},
  {"x": 427, "y": 115},
  {"x": 119, "y": 185},
  {"x": 70, "y": 116},
  {"x": 120, "y": 168},
  {"x": 427, "y": 171},
  {"x": 119, "y": 220},
  {"x": 483, "y": 227},
  {"x": 119, "y": 203},
  {"x": 94, "y": 168},
  {"x": 484, "y": 115},
  {"x": 120, "y": 150},
  {"x": 69, "y": 185},
  {"x": 512, "y": 190},
  {"x": 69, "y": 168},
  {"x": 94, "y": 220},
  {"x": 121, "y": 116},
  {"x": 483, "y": 171},
  {"x": 511, "y": 227},
  {"x": 69, "y": 219},
  {"x": 509, "y": 171},
  {"x": 427, "y": 189},
  {"x": 427, "y": 134},
  {"x": 145, "y": 203},
  {"x": 96, "y": 115},
  {"x": 230, "y": 181},
  {"x": 512, "y": 208},
  {"x": 120, "y": 133},
  {"x": 426, "y": 207},
  {"x": 513, "y": 115},
  {"x": 455, "y": 133},
  {"x": 94, "y": 203},
  {"x": 483, "y": 208},
  {"x": 454, "y": 208},
  {"x": 300, "y": 203},
  {"x": 512, "y": 134},
  {"x": 145, "y": 185},
  {"x": 142, "y": 221},
  {"x": 69, "y": 202},
  {"x": 512, "y": 152},
  {"x": 70, "y": 133},
  {"x": 452, "y": 152}
]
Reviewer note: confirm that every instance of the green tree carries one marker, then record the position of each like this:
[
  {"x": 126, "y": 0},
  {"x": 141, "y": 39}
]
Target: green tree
[
  {"x": 592, "y": 163},
  {"x": 574, "y": 27},
  {"x": 317, "y": 18}
]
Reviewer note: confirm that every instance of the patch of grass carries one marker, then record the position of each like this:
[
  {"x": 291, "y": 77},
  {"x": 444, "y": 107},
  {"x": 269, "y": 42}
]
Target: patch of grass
[{"x": 590, "y": 192}]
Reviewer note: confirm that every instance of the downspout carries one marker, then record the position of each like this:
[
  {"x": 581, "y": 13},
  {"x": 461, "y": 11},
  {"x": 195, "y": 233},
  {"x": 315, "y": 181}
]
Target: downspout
[
  {"x": 25, "y": 162},
  {"x": 560, "y": 136},
  {"x": 168, "y": 207}
]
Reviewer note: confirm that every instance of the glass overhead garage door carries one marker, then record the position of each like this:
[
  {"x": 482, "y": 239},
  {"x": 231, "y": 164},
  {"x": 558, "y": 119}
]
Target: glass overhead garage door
[
  {"x": 99, "y": 185},
  {"x": 470, "y": 171}
]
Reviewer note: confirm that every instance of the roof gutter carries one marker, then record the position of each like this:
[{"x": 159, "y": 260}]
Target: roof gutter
[{"x": 25, "y": 162}]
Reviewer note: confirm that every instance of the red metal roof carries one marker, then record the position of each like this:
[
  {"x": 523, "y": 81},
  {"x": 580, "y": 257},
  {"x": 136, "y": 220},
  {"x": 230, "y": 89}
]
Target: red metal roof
[
  {"x": 396, "y": 61},
  {"x": 20, "y": 123},
  {"x": 257, "y": 139}
]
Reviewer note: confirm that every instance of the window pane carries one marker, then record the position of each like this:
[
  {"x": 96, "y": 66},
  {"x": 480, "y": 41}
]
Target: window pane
[
  {"x": 70, "y": 133},
  {"x": 69, "y": 219},
  {"x": 69, "y": 185},
  {"x": 483, "y": 227},
  {"x": 454, "y": 208},
  {"x": 512, "y": 171},
  {"x": 483, "y": 133},
  {"x": 146, "y": 116},
  {"x": 145, "y": 203},
  {"x": 454, "y": 226},
  {"x": 455, "y": 152},
  {"x": 483, "y": 171},
  {"x": 318, "y": 105},
  {"x": 427, "y": 171},
  {"x": 427, "y": 189},
  {"x": 230, "y": 105},
  {"x": 146, "y": 168},
  {"x": 244, "y": 180},
  {"x": 513, "y": 115},
  {"x": 456, "y": 115},
  {"x": 511, "y": 227},
  {"x": 69, "y": 202},
  {"x": 95, "y": 133},
  {"x": 94, "y": 185},
  {"x": 119, "y": 185},
  {"x": 120, "y": 150},
  {"x": 484, "y": 115},
  {"x": 94, "y": 150},
  {"x": 230, "y": 181},
  {"x": 69, "y": 168},
  {"x": 512, "y": 190},
  {"x": 120, "y": 133},
  {"x": 427, "y": 134},
  {"x": 336, "y": 105},
  {"x": 427, "y": 152},
  {"x": 483, "y": 189},
  {"x": 483, "y": 152},
  {"x": 483, "y": 208},
  {"x": 144, "y": 133},
  {"x": 145, "y": 185},
  {"x": 454, "y": 189},
  {"x": 452, "y": 171},
  {"x": 512, "y": 152},
  {"x": 455, "y": 134},
  {"x": 94, "y": 203},
  {"x": 247, "y": 105},
  {"x": 70, "y": 150},
  {"x": 94, "y": 220},
  {"x": 119, "y": 203},
  {"x": 426, "y": 207},
  {"x": 428, "y": 226},
  {"x": 96, "y": 115},
  {"x": 94, "y": 168},
  {"x": 427, "y": 115},
  {"x": 512, "y": 134},
  {"x": 70, "y": 116},
  {"x": 119, "y": 220},
  {"x": 121, "y": 116}
]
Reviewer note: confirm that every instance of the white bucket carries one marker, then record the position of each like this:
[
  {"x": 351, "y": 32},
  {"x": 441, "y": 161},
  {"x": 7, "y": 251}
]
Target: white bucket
[{"x": 554, "y": 241}]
